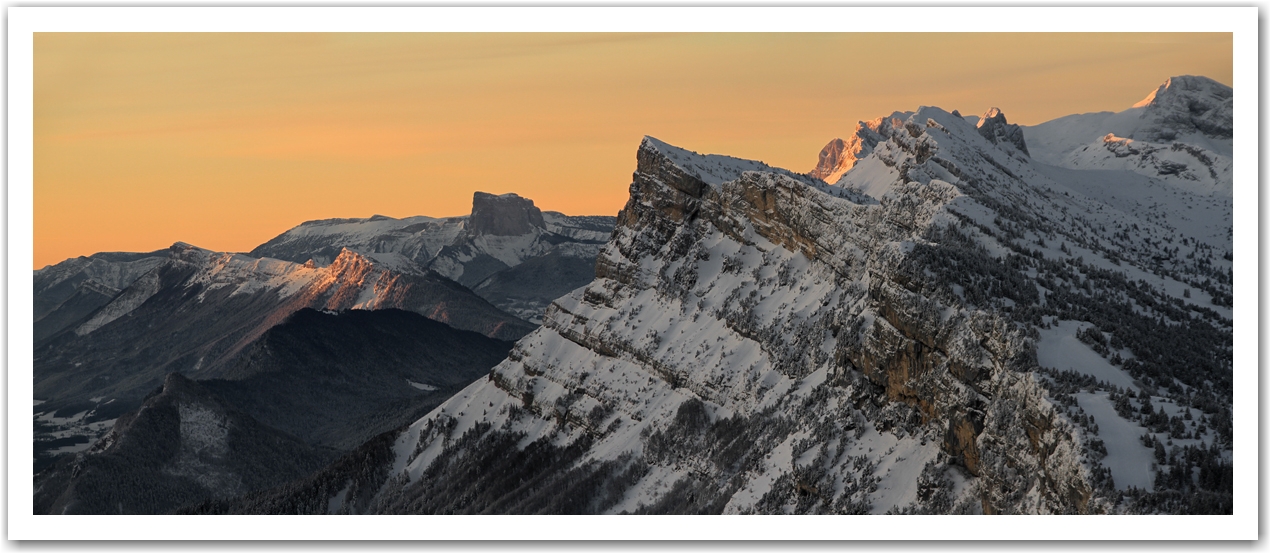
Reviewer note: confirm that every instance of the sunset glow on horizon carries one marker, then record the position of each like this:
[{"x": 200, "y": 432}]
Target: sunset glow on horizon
[{"x": 226, "y": 140}]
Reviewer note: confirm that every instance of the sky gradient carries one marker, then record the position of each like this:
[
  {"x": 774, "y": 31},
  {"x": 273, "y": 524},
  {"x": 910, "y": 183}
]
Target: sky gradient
[{"x": 226, "y": 140}]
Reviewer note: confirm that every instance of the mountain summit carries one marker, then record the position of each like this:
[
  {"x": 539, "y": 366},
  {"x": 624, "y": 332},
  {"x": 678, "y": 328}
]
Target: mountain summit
[
  {"x": 1180, "y": 133},
  {"x": 997, "y": 130},
  {"x": 504, "y": 215},
  {"x": 1188, "y": 104},
  {"x": 839, "y": 156}
]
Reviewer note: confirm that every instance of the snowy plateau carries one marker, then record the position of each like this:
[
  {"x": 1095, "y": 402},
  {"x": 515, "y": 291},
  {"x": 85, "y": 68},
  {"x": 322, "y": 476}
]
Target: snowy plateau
[
  {"x": 965, "y": 320},
  {"x": 948, "y": 315}
]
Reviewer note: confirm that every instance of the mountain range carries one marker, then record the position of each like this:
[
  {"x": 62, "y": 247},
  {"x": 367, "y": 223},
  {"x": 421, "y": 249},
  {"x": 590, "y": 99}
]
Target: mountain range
[
  {"x": 481, "y": 251},
  {"x": 109, "y": 327},
  {"x": 949, "y": 314}
]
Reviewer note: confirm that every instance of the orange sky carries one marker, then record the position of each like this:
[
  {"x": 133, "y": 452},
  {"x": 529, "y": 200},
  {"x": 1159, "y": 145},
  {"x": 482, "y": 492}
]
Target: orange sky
[{"x": 226, "y": 140}]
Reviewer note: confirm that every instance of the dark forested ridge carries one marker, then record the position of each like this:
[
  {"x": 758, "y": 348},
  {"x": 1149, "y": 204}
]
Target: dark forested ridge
[
  {"x": 184, "y": 445},
  {"x": 310, "y": 388},
  {"x": 336, "y": 380}
]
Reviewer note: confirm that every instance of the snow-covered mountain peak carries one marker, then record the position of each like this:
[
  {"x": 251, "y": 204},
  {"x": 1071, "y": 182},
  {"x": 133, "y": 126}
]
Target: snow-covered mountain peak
[
  {"x": 189, "y": 253},
  {"x": 502, "y": 232},
  {"x": 710, "y": 169},
  {"x": 180, "y": 248},
  {"x": 503, "y": 215},
  {"x": 1189, "y": 87},
  {"x": 921, "y": 146},
  {"x": 777, "y": 307},
  {"x": 1185, "y": 105},
  {"x": 1180, "y": 133}
]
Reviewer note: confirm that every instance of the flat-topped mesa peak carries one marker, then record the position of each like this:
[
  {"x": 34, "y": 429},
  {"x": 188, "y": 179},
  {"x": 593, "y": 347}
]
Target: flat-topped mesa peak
[
  {"x": 994, "y": 127},
  {"x": 503, "y": 215},
  {"x": 1185, "y": 104}
]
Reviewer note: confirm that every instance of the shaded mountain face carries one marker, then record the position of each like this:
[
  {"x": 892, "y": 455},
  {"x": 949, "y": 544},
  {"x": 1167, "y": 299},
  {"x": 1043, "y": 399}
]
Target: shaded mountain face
[
  {"x": 337, "y": 380},
  {"x": 184, "y": 445},
  {"x": 501, "y": 232},
  {"x": 526, "y": 287},
  {"x": 198, "y": 310},
  {"x": 68, "y": 291},
  {"x": 994, "y": 127},
  {"x": 953, "y": 328},
  {"x": 505, "y": 215},
  {"x": 317, "y": 384},
  {"x": 1179, "y": 134}
]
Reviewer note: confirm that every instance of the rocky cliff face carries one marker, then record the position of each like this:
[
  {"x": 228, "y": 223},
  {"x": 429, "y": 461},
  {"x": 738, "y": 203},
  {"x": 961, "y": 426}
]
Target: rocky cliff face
[
  {"x": 755, "y": 341},
  {"x": 505, "y": 215},
  {"x": 840, "y": 156},
  {"x": 997, "y": 130}
]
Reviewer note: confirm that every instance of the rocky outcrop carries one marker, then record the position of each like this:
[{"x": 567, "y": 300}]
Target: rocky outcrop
[
  {"x": 839, "y": 156},
  {"x": 997, "y": 130},
  {"x": 834, "y": 161},
  {"x": 504, "y": 215}
]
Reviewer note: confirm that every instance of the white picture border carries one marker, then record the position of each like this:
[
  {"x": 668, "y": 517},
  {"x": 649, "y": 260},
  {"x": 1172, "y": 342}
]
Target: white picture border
[{"x": 23, "y": 21}]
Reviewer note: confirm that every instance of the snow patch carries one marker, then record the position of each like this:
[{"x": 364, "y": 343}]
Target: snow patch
[
  {"x": 1058, "y": 348},
  {"x": 1131, "y": 463}
]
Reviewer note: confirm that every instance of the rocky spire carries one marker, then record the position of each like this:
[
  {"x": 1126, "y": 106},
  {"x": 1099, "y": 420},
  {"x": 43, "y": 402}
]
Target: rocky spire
[
  {"x": 839, "y": 156},
  {"x": 997, "y": 130}
]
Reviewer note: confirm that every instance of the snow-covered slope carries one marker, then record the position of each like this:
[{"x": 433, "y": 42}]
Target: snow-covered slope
[
  {"x": 1180, "y": 133},
  {"x": 68, "y": 291},
  {"x": 502, "y": 232},
  {"x": 975, "y": 332},
  {"x": 415, "y": 238}
]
